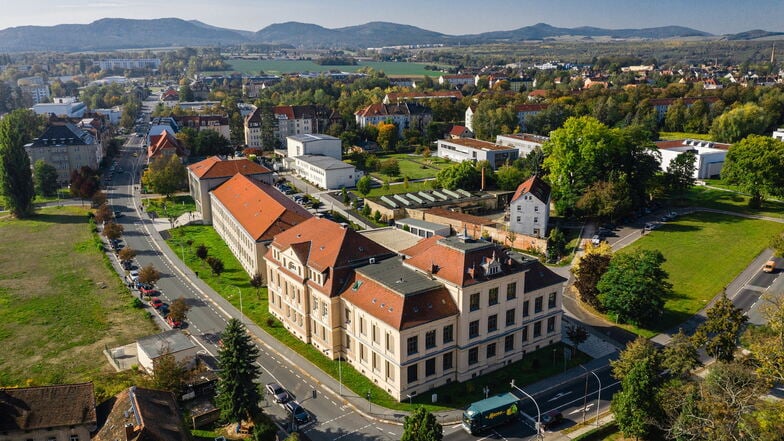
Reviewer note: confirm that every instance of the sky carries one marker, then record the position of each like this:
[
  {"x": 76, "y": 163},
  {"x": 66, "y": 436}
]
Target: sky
[{"x": 446, "y": 16}]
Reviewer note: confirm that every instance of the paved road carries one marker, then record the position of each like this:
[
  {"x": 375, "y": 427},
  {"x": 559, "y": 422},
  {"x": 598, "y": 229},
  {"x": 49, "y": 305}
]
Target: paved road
[{"x": 209, "y": 314}]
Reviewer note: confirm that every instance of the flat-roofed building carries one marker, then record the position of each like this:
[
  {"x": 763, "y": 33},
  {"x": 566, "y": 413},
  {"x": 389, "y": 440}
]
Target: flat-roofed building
[
  {"x": 709, "y": 155},
  {"x": 525, "y": 143},
  {"x": 326, "y": 171},
  {"x": 314, "y": 144},
  {"x": 475, "y": 150}
]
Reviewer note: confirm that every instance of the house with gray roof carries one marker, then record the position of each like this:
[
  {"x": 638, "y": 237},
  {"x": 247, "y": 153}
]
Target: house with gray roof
[
  {"x": 173, "y": 342},
  {"x": 63, "y": 412},
  {"x": 67, "y": 148}
]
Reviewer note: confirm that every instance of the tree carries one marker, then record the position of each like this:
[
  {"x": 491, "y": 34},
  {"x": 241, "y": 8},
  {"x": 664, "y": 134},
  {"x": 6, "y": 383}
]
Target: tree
[
  {"x": 363, "y": 185},
  {"x": 149, "y": 275},
  {"x": 777, "y": 243},
  {"x": 387, "y": 136},
  {"x": 576, "y": 334},
  {"x": 461, "y": 175},
  {"x": 126, "y": 254},
  {"x": 421, "y": 425},
  {"x": 556, "y": 244},
  {"x": 390, "y": 167},
  {"x": 16, "y": 179},
  {"x": 756, "y": 165},
  {"x": 166, "y": 175},
  {"x": 680, "y": 356},
  {"x": 238, "y": 394},
  {"x": 202, "y": 251},
  {"x": 216, "y": 265},
  {"x": 635, "y": 406},
  {"x": 767, "y": 346},
  {"x": 84, "y": 182},
  {"x": 169, "y": 374},
  {"x": 680, "y": 172},
  {"x": 740, "y": 122},
  {"x": 344, "y": 195},
  {"x": 607, "y": 200},
  {"x": 178, "y": 309},
  {"x": 675, "y": 116},
  {"x": 508, "y": 177},
  {"x": 257, "y": 282},
  {"x": 589, "y": 270},
  {"x": 98, "y": 199},
  {"x": 719, "y": 332},
  {"x": 635, "y": 286},
  {"x": 45, "y": 178},
  {"x": 103, "y": 214},
  {"x": 113, "y": 230}
]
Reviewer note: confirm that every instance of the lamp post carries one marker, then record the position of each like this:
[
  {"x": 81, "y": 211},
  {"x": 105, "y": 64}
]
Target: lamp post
[
  {"x": 585, "y": 394},
  {"x": 598, "y": 397},
  {"x": 538, "y": 412},
  {"x": 242, "y": 316}
]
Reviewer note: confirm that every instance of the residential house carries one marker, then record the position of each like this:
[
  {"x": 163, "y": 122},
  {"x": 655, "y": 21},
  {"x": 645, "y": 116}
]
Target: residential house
[
  {"x": 175, "y": 343},
  {"x": 407, "y": 97},
  {"x": 216, "y": 123},
  {"x": 247, "y": 214},
  {"x": 710, "y": 156},
  {"x": 208, "y": 174},
  {"x": 662, "y": 105},
  {"x": 139, "y": 414},
  {"x": 326, "y": 172},
  {"x": 289, "y": 121},
  {"x": 63, "y": 412},
  {"x": 170, "y": 97},
  {"x": 525, "y": 143},
  {"x": 475, "y": 150},
  {"x": 307, "y": 267},
  {"x": 779, "y": 134},
  {"x": 525, "y": 111},
  {"x": 459, "y": 132},
  {"x": 529, "y": 208},
  {"x": 404, "y": 115},
  {"x": 165, "y": 145},
  {"x": 469, "y": 117},
  {"x": 457, "y": 80},
  {"x": 161, "y": 124},
  {"x": 65, "y": 147}
]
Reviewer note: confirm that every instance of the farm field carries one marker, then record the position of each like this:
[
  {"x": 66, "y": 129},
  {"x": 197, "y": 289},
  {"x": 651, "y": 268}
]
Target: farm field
[{"x": 287, "y": 66}]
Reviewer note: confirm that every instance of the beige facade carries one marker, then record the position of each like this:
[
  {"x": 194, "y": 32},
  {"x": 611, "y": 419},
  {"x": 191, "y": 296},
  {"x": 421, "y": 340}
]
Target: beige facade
[
  {"x": 244, "y": 247},
  {"x": 67, "y": 148}
]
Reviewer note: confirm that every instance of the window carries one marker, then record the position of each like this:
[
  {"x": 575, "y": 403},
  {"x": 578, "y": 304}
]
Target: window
[
  {"x": 538, "y": 329},
  {"x": 493, "y": 297},
  {"x": 536, "y": 220},
  {"x": 518, "y": 218},
  {"x": 447, "y": 361},
  {"x": 430, "y": 367},
  {"x": 551, "y": 300},
  {"x": 519, "y": 208},
  {"x": 536, "y": 208},
  {"x": 362, "y": 325},
  {"x": 473, "y": 356},
  {"x": 509, "y": 343},
  {"x": 449, "y": 333},
  {"x": 362, "y": 352},
  {"x": 388, "y": 341},
  {"x": 473, "y": 303},
  {"x": 525, "y": 334},
  {"x": 73, "y": 438},
  {"x": 538, "y": 305},
  {"x": 473, "y": 329},
  {"x": 412, "y": 373},
  {"x": 550, "y": 325},
  {"x": 413, "y": 345},
  {"x": 525, "y": 308},
  {"x": 430, "y": 340},
  {"x": 390, "y": 371},
  {"x": 374, "y": 333},
  {"x": 375, "y": 361},
  {"x": 492, "y": 323},
  {"x": 491, "y": 350},
  {"x": 510, "y": 317},
  {"x": 511, "y": 291}
]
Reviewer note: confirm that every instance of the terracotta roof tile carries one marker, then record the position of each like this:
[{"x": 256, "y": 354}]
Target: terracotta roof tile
[
  {"x": 215, "y": 167},
  {"x": 261, "y": 210},
  {"x": 157, "y": 417},
  {"x": 534, "y": 185},
  {"x": 32, "y": 408}
]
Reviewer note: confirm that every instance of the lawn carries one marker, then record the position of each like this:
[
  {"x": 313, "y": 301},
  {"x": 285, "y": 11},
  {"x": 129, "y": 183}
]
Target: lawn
[
  {"x": 186, "y": 239},
  {"x": 414, "y": 167},
  {"x": 684, "y": 135},
  {"x": 704, "y": 252},
  {"x": 61, "y": 304},
  {"x": 173, "y": 207},
  {"x": 288, "y": 66},
  {"x": 398, "y": 188},
  {"x": 729, "y": 201}
]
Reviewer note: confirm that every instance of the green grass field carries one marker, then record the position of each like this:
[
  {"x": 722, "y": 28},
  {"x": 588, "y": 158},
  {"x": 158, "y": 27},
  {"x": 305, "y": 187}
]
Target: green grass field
[
  {"x": 289, "y": 66},
  {"x": 174, "y": 207},
  {"x": 729, "y": 201},
  {"x": 61, "y": 304},
  {"x": 414, "y": 167},
  {"x": 704, "y": 252}
]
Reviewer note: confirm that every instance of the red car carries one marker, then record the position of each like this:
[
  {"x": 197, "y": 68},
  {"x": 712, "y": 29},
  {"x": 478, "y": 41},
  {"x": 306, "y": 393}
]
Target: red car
[
  {"x": 156, "y": 302},
  {"x": 148, "y": 290},
  {"x": 173, "y": 323}
]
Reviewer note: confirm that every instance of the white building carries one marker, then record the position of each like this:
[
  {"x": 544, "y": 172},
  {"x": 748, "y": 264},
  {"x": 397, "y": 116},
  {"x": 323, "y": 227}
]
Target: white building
[
  {"x": 35, "y": 87},
  {"x": 779, "y": 134},
  {"x": 529, "y": 208},
  {"x": 710, "y": 155},
  {"x": 326, "y": 171},
  {"x": 423, "y": 228},
  {"x": 314, "y": 144},
  {"x": 474, "y": 150},
  {"x": 173, "y": 342},
  {"x": 68, "y": 107},
  {"x": 113, "y": 115},
  {"x": 129, "y": 63},
  {"x": 525, "y": 143}
]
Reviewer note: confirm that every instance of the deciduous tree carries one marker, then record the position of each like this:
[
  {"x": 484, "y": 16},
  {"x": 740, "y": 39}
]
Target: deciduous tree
[
  {"x": 126, "y": 254},
  {"x": 202, "y": 251},
  {"x": 461, "y": 175},
  {"x": 680, "y": 172},
  {"x": 756, "y": 165},
  {"x": 635, "y": 406},
  {"x": 238, "y": 395},
  {"x": 767, "y": 345},
  {"x": 680, "y": 356},
  {"x": 740, "y": 122},
  {"x": 45, "y": 178},
  {"x": 84, "y": 182},
  {"x": 589, "y": 270},
  {"x": 576, "y": 334},
  {"x": 257, "y": 282},
  {"x": 178, "y": 309},
  {"x": 508, "y": 177},
  {"x": 149, "y": 275},
  {"x": 166, "y": 175},
  {"x": 169, "y": 374},
  {"x": 421, "y": 425},
  {"x": 216, "y": 265},
  {"x": 113, "y": 230},
  {"x": 635, "y": 286},
  {"x": 719, "y": 332},
  {"x": 103, "y": 214},
  {"x": 387, "y": 136},
  {"x": 390, "y": 167},
  {"x": 363, "y": 185}
]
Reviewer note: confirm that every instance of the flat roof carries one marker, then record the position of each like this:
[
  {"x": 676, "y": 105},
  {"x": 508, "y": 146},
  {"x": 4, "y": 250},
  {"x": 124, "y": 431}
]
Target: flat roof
[
  {"x": 424, "y": 225},
  {"x": 174, "y": 341},
  {"x": 312, "y": 137},
  {"x": 391, "y": 238},
  {"x": 476, "y": 144},
  {"x": 323, "y": 162},
  {"x": 393, "y": 275}
]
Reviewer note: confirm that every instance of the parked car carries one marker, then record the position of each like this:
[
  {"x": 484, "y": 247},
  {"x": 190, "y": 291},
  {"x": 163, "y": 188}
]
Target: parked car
[
  {"x": 127, "y": 264},
  {"x": 301, "y": 416},
  {"x": 650, "y": 226},
  {"x": 156, "y": 302},
  {"x": 148, "y": 290},
  {"x": 769, "y": 267},
  {"x": 279, "y": 395},
  {"x": 173, "y": 323},
  {"x": 551, "y": 419},
  {"x": 596, "y": 239}
]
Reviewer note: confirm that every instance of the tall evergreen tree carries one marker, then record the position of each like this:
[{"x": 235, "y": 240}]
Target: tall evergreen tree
[
  {"x": 238, "y": 395},
  {"x": 16, "y": 177}
]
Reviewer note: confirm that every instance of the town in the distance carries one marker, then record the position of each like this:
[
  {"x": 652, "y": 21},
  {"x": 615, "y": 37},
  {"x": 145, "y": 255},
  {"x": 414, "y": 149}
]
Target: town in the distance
[{"x": 316, "y": 235}]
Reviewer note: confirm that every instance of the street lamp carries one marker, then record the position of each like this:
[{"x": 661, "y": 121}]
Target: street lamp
[
  {"x": 242, "y": 316},
  {"x": 538, "y": 412},
  {"x": 585, "y": 397},
  {"x": 410, "y": 399},
  {"x": 585, "y": 394},
  {"x": 598, "y": 397}
]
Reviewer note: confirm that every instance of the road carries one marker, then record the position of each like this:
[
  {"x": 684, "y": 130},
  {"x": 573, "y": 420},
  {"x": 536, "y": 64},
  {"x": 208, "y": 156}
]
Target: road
[{"x": 208, "y": 316}]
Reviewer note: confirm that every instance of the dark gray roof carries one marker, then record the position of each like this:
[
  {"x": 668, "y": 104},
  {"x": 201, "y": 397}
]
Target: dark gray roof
[
  {"x": 393, "y": 275},
  {"x": 67, "y": 134},
  {"x": 174, "y": 340},
  {"x": 539, "y": 276}
]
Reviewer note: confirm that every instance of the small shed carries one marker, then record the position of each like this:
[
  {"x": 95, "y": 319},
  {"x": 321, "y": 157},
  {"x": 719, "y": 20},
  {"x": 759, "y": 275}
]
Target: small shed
[{"x": 173, "y": 342}]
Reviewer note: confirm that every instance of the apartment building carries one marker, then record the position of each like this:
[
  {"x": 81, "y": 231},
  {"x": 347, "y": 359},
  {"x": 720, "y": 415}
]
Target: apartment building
[
  {"x": 216, "y": 123},
  {"x": 208, "y": 174},
  {"x": 529, "y": 208},
  {"x": 67, "y": 148},
  {"x": 525, "y": 143},
  {"x": 248, "y": 214},
  {"x": 289, "y": 121},
  {"x": 404, "y": 115}
]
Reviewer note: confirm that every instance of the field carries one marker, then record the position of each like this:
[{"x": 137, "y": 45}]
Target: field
[
  {"x": 290, "y": 66},
  {"x": 415, "y": 167},
  {"x": 704, "y": 252},
  {"x": 684, "y": 135},
  {"x": 174, "y": 207},
  {"x": 729, "y": 201},
  {"x": 61, "y": 304}
]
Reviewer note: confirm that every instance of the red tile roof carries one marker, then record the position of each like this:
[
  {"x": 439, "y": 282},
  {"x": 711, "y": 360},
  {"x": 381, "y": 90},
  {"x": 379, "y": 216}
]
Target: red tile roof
[
  {"x": 458, "y": 130},
  {"x": 262, "y": 210},
  {"x": 396, "y": 310},
  {"x": 33, "y": 408},
  {"x": 523, "y": 108},
  {"x": 162, "y": 142},
  {"x": 215, "y": 167},
  {"x": 534, "y": 185},
  {"x": 538, "y": 93}
]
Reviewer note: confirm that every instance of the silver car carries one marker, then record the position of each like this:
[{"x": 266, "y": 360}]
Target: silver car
[{"x": 279, "y": 395}]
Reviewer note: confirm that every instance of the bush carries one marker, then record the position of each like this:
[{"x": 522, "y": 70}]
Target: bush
[
  {"x": 264, "y": 429},
  {"x": 137, "y": 303}
]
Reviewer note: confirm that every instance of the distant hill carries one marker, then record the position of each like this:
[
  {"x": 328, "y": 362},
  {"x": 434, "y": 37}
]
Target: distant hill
[{"x": 115, "y": 33}]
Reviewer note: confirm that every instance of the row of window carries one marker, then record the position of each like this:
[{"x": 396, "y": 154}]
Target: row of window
[
  {"x": 447, "y": 336},
  {"x": 447, "y": 363},
  {"x": 510, "y": 295}
]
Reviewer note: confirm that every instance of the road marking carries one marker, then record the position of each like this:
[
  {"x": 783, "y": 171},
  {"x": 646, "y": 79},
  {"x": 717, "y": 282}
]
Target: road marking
[
  {"x": 559, "y": 395},
  {"x": 351, "y": 433},
  {"x": 582, "y": 410},
  {"x": 499, "y": 435}
]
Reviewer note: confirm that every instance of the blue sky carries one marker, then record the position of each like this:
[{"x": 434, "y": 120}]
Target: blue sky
[{"x": 447, "y": 16}]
